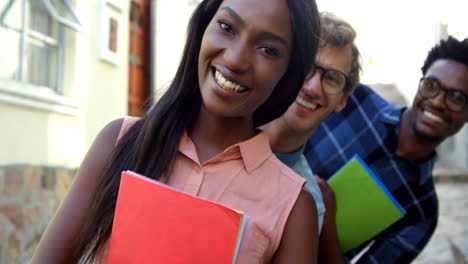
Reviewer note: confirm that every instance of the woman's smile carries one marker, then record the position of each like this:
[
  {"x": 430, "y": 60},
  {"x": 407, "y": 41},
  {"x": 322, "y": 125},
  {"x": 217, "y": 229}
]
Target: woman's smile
[
  {"x": 228, "y": 85},
  {"x": 243, "y": 55}
]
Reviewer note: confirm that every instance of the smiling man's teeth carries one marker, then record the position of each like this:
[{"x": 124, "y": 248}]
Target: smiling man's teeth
[
  {"x": 228, "y": 85},
  {"x": 433, "y": 117},
  {"x": 306, "y": 104}
]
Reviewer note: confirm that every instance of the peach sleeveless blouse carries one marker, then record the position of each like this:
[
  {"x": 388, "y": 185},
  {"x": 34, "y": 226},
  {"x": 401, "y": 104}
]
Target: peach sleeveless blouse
[{"x": 246, "y": 176}]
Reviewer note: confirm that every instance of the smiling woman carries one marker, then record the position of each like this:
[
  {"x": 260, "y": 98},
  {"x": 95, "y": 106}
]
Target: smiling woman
[
  {"x": 242, "y": 66},
  {"x": 249, "y": 56}
]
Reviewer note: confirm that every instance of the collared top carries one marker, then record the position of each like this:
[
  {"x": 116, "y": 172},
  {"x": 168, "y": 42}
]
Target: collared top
[
  {"x": 298, "y": 163},
  {"x": 369, "y": 126},
  {"x": 247, "y": 177}
]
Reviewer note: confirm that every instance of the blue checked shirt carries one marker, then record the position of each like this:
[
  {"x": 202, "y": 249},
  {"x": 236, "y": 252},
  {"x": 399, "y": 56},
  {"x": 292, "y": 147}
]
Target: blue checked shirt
[{"x": 369, "y": 126}]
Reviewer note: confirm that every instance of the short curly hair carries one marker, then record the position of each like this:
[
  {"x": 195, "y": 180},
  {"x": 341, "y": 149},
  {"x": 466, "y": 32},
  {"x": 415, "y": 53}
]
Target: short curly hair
[
  {"x": 339, "y": 33},
  {"x": 447, "y": 49}
]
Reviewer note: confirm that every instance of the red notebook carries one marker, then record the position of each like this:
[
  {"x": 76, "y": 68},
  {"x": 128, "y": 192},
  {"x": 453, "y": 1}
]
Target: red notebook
[{"x": 156, "y": 223}]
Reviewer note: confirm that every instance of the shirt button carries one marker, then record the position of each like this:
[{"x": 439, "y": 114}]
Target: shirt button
[{"x": 199, "y": 169}]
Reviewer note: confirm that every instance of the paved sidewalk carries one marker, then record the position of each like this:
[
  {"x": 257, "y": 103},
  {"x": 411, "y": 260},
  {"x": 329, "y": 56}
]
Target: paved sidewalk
[{"x": 449, "y": 244}]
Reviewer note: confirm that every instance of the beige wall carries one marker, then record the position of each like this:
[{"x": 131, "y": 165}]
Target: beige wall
[
  {"x": 95, "y": 90},
  {"x": 35, "y": 137},
  {"x": 59, "y": 134},
  {"x": 106, "y": 85},
  {"x": 171, "y": 22}
]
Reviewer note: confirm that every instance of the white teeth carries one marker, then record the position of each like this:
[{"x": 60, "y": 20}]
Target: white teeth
[
  {"x": 306, "y": 104},
  {"x": 228, "y": 85},
  {"x": 433, "y": 117}
]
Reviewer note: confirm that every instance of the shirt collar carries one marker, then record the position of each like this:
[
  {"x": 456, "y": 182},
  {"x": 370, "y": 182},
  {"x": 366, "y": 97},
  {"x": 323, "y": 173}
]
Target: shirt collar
[
  {"x": 187, "y": 147},
  {"x": 253, "y": 151},
  {"x": 292, "y": 157},
  {"x": 392, "y": 114}
]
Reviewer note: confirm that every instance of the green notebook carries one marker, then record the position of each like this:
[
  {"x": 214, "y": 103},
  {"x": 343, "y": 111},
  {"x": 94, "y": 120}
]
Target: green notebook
[{"x": 364, "y": 206}]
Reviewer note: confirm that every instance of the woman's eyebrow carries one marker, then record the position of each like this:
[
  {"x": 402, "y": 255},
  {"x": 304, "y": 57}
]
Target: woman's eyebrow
[
  {"x": 274, "y": 37},
  {"x": 264, "y": 34},
  {"x": 233, "y": 14}
]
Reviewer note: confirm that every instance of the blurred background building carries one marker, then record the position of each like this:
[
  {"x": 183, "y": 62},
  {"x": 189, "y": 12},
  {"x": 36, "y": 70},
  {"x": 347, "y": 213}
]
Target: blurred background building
[{"x": 68, "y": 67}]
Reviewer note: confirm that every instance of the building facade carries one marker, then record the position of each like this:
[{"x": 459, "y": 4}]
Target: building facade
[{"x": 67, "y": 68}]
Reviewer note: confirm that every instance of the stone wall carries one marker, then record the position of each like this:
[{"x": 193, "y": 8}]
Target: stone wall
[{"x": 29, "y": 197}]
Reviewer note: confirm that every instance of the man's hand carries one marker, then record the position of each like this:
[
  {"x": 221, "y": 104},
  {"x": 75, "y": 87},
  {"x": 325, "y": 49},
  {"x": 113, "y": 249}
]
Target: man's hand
[
  {"x": 329, "y": 247},
  {"x": 329, "y": 200}
]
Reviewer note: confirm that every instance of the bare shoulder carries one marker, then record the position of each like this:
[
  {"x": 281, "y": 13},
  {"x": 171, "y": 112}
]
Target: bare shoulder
[
  {"x": 305, "y": 202},
  {"x": 101, "y": 150},
  {"x": 98, "y": 155},
  {"x": 109, "y": 134},
  {"x": 304, "y": 213},
  {"x": 56, "y": 244},
  {"x": 299, "y": 243}
]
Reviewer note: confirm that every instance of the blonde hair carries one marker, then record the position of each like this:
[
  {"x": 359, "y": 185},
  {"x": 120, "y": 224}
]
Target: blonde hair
[{"x": 339, "y": 33}]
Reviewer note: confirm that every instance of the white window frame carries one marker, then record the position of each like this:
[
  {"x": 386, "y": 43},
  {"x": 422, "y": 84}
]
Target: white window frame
[
  {"x": 76, "y": 24},
  {"x": 18, "y": 92}
]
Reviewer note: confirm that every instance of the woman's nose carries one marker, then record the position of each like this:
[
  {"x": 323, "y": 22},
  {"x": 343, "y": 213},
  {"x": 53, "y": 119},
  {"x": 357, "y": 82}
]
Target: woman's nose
[{"x": 237, "y": 57}]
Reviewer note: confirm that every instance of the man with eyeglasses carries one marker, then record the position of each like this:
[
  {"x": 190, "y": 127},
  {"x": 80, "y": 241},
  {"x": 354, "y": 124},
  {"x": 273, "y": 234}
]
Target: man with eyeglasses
[
  {"x": 398, "y": 143},
  {"x": 325, "y": 90}
]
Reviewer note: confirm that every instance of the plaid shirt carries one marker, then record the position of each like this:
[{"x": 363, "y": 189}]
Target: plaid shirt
[{"x": 369, "y": 126}]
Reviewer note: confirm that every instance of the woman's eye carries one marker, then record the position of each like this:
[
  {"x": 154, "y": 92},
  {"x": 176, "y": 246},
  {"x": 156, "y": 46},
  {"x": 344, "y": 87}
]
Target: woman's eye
[
  {"x": 225, "y": 26},
  {"x": 270, "y": 51}
]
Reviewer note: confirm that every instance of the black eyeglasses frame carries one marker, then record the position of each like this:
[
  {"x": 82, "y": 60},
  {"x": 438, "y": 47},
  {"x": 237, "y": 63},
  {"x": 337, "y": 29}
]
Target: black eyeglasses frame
[
  {"x": 324, "y": 71},
  {"x": 445, "y": 90}
]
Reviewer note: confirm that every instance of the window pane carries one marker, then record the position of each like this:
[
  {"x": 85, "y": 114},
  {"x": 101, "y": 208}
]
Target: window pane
[
  {"x": 41, "y": 64},
  {"x": 41, "y": 21},
  {"x": 41, "y": 47},
  {"x": 10, "y": 29}
]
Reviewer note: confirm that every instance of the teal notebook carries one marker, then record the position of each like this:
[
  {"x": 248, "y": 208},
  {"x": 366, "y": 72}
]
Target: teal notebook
[{"x": 364, "y": 206}]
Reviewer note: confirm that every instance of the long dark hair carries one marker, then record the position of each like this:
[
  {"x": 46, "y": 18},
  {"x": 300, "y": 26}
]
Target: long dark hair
[{"x": 150, "y": 146}]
